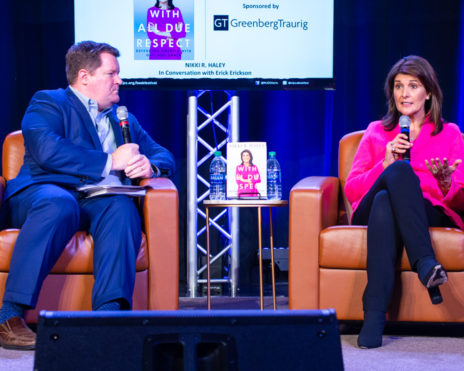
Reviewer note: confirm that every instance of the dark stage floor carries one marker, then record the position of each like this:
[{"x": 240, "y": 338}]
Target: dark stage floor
[
  {"x": 345, "y": 327},
  {"x": 248, "y": 298}
]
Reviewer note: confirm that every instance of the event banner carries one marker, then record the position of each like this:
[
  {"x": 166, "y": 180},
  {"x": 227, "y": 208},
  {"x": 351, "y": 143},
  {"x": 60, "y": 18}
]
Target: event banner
[{"x": 213, "y": 39}]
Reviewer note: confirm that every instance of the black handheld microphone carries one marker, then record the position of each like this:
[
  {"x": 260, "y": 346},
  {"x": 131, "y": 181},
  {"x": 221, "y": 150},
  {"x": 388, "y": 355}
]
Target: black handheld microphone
[
  {"x": 405, "y": 122},
  {"x": 123, "y": 115}
]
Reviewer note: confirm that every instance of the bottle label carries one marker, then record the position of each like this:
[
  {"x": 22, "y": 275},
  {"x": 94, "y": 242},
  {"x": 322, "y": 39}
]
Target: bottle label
[{"x": 217, "y": 177}]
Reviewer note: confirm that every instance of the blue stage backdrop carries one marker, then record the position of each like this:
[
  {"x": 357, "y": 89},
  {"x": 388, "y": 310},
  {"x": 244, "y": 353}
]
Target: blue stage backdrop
[{"x": 304, "y": 127}]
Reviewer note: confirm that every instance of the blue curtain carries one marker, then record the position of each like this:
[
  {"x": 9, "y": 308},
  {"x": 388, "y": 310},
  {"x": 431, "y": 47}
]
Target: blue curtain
[{"x": 303, "y": 127}]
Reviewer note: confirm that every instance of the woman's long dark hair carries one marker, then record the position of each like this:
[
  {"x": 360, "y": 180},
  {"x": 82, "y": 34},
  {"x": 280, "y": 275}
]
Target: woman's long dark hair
[
  {"x": 170, "y": 4},
  {"x": 251, "y": 156},
  {"x": 418, "y": 67}
]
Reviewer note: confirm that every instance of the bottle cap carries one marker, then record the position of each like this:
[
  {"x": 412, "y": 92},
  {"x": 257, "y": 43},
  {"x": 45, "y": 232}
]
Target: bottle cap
[
  {"x": 272, "y": 154},
  {"x": 218, "y": 153}
]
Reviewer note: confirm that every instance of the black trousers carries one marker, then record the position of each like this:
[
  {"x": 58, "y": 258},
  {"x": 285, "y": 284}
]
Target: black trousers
[{"x": 396, "y": 215}]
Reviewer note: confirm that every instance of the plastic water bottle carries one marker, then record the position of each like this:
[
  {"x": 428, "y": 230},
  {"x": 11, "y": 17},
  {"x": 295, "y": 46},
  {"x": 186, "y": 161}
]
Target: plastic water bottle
[
  {"x": 274, "y": 180},
  {"x": 217, "y": 178}
]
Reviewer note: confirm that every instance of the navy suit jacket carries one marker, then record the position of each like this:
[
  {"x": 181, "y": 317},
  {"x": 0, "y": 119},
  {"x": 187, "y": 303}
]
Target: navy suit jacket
[{"x": 62, "y": 146}]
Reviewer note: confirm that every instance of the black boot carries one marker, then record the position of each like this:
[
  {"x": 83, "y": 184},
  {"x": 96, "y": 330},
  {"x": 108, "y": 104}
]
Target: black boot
[
  {"x": 435, "y": 277},
  {"x": 432, "y": 276},
  {"x": 435, "y": 295},
  {"x": 372, "y": 329}
]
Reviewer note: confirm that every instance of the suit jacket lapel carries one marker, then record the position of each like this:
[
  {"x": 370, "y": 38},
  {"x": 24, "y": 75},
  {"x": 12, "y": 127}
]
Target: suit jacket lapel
[{"x": 85, "y": 117}]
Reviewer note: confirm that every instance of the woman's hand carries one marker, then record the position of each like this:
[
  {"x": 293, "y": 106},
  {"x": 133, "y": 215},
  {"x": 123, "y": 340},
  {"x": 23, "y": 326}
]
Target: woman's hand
[
  {"x": 442, "y": 172},
  {"x": 395, "y": 149}
]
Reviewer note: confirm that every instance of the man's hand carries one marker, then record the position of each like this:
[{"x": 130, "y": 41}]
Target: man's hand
[
  {"x": 123, "y": 154},
  {"x": 139, "y": 167}
]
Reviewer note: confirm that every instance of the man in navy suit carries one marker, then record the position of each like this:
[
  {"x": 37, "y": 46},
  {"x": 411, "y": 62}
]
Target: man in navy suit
[{"x": 72, "y": 139}]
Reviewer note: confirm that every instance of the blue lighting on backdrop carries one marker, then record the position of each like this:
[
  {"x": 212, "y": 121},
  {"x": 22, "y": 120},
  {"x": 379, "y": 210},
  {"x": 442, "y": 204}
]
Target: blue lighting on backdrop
[{"x": 328, "y": 125}]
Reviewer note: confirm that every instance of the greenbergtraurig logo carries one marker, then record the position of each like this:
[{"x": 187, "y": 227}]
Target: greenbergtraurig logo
[{"x": 221, "y": 23}]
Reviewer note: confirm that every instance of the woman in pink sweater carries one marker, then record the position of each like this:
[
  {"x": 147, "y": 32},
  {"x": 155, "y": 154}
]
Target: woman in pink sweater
[{"x": 400, "y": 199}]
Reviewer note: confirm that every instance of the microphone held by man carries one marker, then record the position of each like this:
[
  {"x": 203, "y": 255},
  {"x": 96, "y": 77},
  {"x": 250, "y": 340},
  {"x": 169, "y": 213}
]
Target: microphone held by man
[{"x": 123, "y": 117}]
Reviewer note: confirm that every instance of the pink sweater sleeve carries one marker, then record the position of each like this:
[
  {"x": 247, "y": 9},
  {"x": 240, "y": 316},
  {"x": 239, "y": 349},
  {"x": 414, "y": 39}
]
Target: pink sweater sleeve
[{"x": 367, "y": 166}]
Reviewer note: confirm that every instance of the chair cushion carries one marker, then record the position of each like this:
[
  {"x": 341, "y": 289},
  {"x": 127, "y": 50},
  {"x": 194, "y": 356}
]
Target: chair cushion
[
  {"x": 345, "y": 247},
  {"x": 76, "y": 258}
]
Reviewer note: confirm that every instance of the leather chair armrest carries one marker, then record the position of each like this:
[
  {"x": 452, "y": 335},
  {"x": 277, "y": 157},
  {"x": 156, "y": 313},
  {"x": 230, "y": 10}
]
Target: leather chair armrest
[
  {"x": 161, "y": 214},
  {"x": 2, "y": 188},
  {"x": 313, "y": 207}
]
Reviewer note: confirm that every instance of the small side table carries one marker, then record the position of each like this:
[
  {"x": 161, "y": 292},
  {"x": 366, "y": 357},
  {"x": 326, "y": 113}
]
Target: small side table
[{"x": 245, "y": 203}]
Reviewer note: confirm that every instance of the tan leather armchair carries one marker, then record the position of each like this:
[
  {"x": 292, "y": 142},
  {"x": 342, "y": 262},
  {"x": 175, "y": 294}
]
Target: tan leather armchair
[
  {"x": 69, "y": 285},
  {"x": 327, "y": 256}
]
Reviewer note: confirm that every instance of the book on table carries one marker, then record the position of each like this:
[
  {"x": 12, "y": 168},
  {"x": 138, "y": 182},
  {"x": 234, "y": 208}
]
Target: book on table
[{"x": 246, "y": 170}]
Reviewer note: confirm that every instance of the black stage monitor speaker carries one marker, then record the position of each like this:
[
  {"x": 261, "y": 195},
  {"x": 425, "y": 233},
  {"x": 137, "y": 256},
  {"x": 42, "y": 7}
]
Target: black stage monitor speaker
[{"x": 235, "y": 340}]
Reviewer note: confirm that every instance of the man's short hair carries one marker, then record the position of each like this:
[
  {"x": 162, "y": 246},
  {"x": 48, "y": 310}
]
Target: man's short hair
[{"x": 86, "y": 55}]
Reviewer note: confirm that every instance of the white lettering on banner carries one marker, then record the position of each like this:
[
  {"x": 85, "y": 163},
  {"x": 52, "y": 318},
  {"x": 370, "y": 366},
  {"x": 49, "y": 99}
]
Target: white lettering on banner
[
  {"x": 178, "y": 27},
  {"x": 220, "y": 23},
  {"x": 169, "y": 43},
  {"x": 168, "y": 13}
]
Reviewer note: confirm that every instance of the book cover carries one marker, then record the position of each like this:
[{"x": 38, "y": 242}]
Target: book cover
[
  {"x": 163, "y": 34},
  {"x": 246, "y": 170}
]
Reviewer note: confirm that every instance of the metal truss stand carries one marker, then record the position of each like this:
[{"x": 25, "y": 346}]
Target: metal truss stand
[{"x": 199, "y": 155}]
